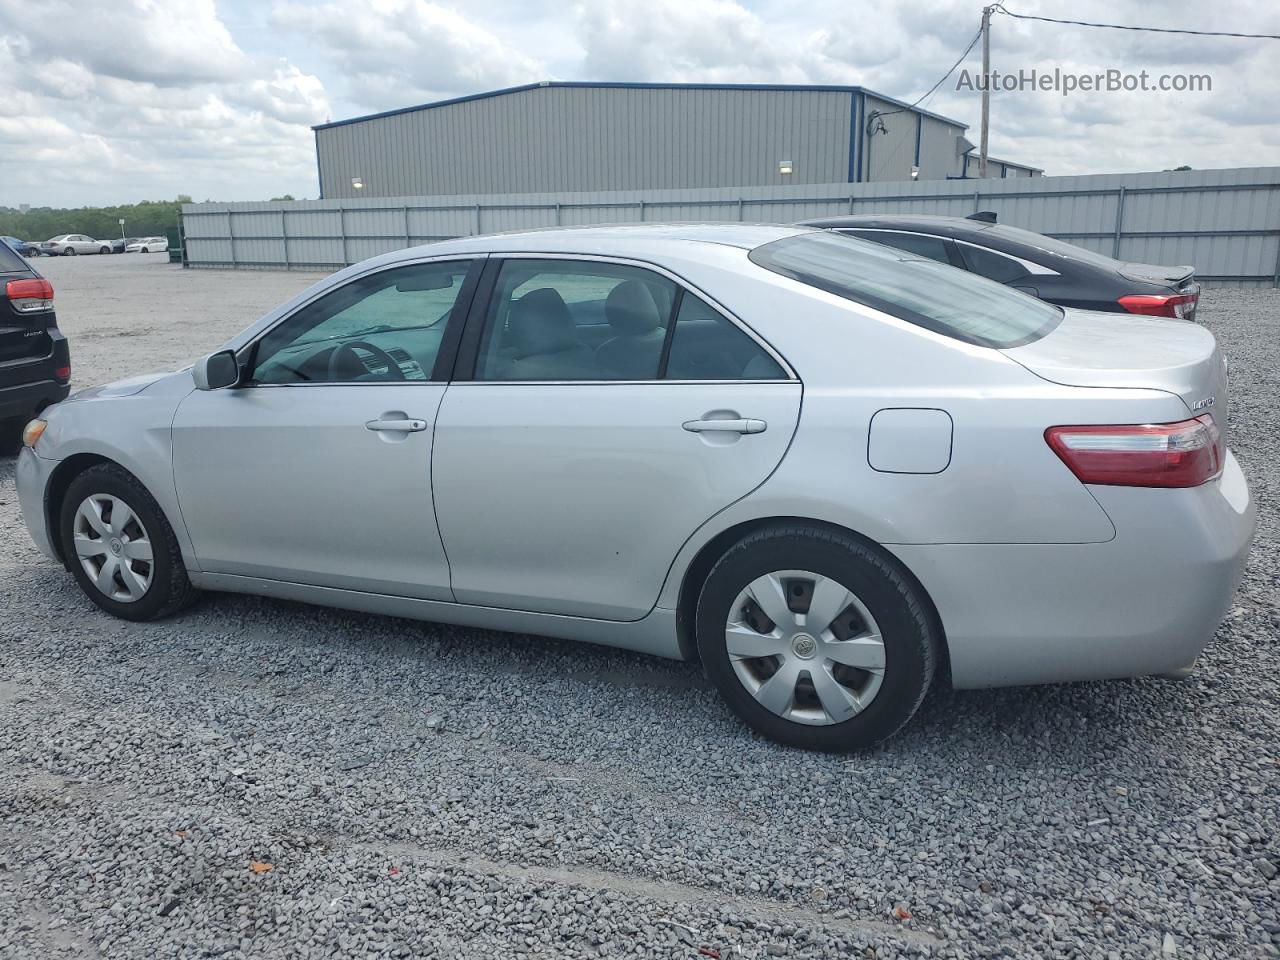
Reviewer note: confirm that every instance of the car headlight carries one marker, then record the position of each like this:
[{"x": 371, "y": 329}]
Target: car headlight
[{"x": 32, "y": 432}]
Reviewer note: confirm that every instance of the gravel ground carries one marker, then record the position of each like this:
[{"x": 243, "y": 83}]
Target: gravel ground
[{"x": 257, "y": 778}]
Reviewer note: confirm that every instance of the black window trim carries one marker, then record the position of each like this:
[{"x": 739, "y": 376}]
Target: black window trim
[
  {"x": 468, "y": 353},
  {"x": 246, "y": 355}
]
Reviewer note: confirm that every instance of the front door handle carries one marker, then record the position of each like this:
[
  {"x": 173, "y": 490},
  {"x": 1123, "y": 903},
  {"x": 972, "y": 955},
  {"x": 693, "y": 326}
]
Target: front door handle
[
  {"x": 726, "y": 426},
  {"x": 397, "y": 426}
]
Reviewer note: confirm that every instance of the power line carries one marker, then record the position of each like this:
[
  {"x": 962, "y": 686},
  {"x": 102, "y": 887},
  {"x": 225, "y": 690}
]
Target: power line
[
  {"x": 929, "y": 92},
  {"x": 999, "y": 8}
]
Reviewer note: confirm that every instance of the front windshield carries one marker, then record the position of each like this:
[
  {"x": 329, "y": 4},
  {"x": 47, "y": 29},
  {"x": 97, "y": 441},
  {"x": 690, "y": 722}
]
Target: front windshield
[{"x": 924, "y": 292}]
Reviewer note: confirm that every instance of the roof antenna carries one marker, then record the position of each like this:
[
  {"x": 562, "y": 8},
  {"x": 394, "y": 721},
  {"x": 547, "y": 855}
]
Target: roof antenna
[{"x": 986, "y": 216}]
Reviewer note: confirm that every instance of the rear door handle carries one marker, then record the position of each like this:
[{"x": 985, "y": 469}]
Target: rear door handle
[
  {"x": 397, "y": 426},
  {"x": 726, "y": 426}
]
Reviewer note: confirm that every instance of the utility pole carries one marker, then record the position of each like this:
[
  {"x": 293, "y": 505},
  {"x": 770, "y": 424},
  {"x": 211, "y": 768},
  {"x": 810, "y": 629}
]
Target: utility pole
[{"x": 986, "y": 91}]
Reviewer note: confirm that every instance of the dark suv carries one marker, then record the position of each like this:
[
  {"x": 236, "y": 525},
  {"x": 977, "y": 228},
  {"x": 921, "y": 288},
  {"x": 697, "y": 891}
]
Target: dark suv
[{"x": 35, "y": 365}]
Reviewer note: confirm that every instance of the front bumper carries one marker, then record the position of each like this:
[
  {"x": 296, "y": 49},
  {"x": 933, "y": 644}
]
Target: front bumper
[
  {"x": 32, "y": 477},
  {"x": 1143, "y": 603}
]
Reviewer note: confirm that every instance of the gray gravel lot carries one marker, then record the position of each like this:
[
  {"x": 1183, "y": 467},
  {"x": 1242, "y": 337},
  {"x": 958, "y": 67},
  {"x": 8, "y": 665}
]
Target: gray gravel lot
[{"x": 421, "y": 790}]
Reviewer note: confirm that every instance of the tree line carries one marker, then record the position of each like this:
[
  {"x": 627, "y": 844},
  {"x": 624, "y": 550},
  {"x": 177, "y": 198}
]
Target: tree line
[{"x": 151, "y": 218}]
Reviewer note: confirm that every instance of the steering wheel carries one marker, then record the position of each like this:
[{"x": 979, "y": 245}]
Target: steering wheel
[{"x": 344, "y": 357}]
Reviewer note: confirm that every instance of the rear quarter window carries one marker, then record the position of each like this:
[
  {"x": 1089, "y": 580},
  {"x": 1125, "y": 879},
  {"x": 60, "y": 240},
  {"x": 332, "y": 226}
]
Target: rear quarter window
[
  {"x": 928, "y": 294},
  {"x": 10, "y": 261}
]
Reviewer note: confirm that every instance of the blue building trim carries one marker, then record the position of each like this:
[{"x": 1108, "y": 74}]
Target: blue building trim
[
  {"x": 579, "y": 84},
  {"x": 319, "y": 168},
  {"x": 854, "y": 172}
]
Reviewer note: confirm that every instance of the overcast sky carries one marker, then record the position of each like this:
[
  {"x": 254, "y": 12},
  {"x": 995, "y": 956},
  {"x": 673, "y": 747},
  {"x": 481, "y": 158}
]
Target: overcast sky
[{"x": 145, "y": 99}]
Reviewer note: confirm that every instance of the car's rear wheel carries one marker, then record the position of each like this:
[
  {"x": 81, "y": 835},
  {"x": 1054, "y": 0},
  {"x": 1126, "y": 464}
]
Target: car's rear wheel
[
  {"x": 120, "y": 547},
  {"x": 69, "y": 252},
  {"x": 816, "y": 638}
]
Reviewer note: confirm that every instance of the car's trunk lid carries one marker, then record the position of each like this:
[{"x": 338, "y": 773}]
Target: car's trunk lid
[
  {"x": 1089, "y": 349},
  {"x": 1155, "y": 273}
]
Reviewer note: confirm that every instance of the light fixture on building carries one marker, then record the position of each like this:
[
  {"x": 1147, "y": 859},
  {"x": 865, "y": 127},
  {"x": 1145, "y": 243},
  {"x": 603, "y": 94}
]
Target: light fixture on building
[
  {"x": 785, "y": 167},
  {"x": 915, "y": 173},
  {"x": 357, "y": 183}
]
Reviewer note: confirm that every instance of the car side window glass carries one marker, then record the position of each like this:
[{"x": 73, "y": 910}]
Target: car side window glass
[
  {"x": 575, "y": 320},
  {"x": 931, "y": 248},
  {"x": 706, "y": 345},
  {"x": 384, "y": 326},
  {"x": 992, "y": 265}
]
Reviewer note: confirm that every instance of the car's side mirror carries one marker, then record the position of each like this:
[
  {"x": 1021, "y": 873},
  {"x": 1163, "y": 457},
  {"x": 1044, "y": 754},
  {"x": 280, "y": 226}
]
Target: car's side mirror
[{"x": 216, "y": 371}]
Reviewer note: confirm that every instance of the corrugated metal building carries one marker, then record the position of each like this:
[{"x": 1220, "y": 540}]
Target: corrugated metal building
[{"x": 556, "y": 137}]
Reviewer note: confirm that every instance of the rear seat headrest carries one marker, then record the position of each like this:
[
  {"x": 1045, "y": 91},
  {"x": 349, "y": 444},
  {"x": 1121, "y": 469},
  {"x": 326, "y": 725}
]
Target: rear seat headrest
[{"x": 631, "y": 309}]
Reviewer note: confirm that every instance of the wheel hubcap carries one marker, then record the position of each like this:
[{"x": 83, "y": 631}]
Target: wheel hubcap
[
  {"x": 805, "y": 647},
  {"x": 113, "y": 547}
]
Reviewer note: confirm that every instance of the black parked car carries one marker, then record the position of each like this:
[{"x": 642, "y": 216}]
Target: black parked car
[
  {"x": 1058, "y": 272},
  {"x": 118, "y": 245},
  {"x": 35, "y": 364}
]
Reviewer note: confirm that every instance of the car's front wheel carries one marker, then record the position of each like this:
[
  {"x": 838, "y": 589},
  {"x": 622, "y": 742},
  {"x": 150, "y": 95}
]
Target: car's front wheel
[
  {"x": 816, "y": 638},
  {"x": 104, "y": 250},
  {"x": 120, "y": 546}
]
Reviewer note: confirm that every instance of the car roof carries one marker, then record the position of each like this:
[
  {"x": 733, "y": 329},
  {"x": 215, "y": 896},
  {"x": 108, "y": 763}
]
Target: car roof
[
  {"x": 941, "y": 226},
  {"x": 604, "y": 239}
]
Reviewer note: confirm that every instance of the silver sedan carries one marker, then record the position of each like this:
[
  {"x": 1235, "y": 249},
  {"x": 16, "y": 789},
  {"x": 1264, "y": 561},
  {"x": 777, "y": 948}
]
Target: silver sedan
[{"x": 834, "y": 473}]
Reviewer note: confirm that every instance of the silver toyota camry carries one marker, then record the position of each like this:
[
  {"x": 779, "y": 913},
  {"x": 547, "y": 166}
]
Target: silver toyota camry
[{"x": 832, "y": 472}]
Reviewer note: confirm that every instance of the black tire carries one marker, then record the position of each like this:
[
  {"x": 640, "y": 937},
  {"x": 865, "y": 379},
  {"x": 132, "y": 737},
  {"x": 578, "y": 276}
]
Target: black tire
[
  {"x": 910, "y": 637},
  {"x": 69, "y": 252},
  {"x": 104, "y": 250},
  {"x": 170, "y": 589}
]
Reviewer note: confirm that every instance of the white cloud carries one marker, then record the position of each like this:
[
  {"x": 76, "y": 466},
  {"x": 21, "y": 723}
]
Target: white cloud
[
  {"x": 393, "y": 53},
  {"x": 146, "y": 100}
]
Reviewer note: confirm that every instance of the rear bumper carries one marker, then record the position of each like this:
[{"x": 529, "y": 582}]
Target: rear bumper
[
  {"x": 33, "y": 474},
  {"x": 1143, "y": 603},
  {"x": 27, "y": 399}
]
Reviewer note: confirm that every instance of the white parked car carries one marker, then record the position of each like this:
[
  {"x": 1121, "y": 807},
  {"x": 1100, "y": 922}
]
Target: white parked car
[
  {"x": 148, "y": 245},
  {"x": 833, "y": 472},
  {"x": 70, "y": 244}
]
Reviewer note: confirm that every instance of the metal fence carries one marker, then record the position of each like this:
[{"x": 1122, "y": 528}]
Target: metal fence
[{"x": 1225, "y": 222}]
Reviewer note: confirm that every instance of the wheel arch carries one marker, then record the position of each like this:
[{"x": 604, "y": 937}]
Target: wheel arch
[
  {"x": 695, "y": 575},
  {"x": 56, "y": 491}
]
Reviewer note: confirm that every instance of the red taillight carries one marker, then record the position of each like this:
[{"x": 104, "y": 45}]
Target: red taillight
[
  {"x": 30, "y": 296},
  {"x": 62, "y": 373},
  {"x": 1178, "y": 306},
  {"x": 1182, "y": 454}
]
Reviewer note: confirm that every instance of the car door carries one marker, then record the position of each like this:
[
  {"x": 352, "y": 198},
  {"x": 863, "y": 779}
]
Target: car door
[
  {"x": 83, "y": 244},
  {"x": 318, "y": 469},
  {"x": 601, "y": 412}
]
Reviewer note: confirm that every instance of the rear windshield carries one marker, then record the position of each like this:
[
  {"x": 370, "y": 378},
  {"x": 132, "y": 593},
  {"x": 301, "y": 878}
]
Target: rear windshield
[
  {"x": 924, "y": 292},
  {"x": 10, "y": 261},
  {"x": 1059, "y": 248}
]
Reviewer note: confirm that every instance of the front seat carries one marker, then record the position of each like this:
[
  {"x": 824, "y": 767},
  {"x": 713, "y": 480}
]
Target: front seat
[
  {"x": 542, "y": 340},
  {"x": 633, "y": 315}
]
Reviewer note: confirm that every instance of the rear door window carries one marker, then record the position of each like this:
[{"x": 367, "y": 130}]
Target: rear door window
[{"x": 706, "y": 345}]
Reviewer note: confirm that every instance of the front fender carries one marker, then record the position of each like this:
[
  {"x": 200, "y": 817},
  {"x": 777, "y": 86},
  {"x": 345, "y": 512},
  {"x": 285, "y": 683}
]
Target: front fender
[{"x": 134, "y": 431}]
